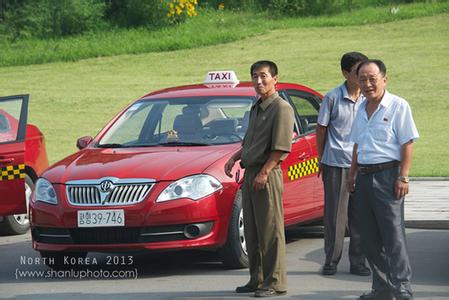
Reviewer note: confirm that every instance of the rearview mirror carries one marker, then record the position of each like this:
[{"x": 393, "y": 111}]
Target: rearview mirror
[{"x": 82, "y": 142}]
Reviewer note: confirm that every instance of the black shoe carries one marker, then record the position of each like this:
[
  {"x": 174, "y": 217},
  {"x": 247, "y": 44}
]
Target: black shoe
[
  {"x": 329, "y": 269},
  {"x": 404, "y": 295},
  {"x": 245, "y": 289},
  {"x": 360, "y": 270},
  {"x": 260, "y": 293},
  {"x": 377, "y": 295}
]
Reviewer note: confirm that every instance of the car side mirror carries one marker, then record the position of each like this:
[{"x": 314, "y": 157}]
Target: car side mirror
[{"x": 82, "y": 142}]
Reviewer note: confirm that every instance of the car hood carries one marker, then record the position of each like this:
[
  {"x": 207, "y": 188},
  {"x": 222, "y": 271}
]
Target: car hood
[{"x": 161, "y": 163}]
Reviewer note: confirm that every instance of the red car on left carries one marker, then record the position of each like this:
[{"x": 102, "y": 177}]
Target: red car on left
[{"x": 23, "y": 158}]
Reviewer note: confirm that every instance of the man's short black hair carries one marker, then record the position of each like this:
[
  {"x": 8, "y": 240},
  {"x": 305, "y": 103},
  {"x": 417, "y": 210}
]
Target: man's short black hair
[
  {"x": 265, "y": 63},
  {"x": 350, "y": 59},
  {"x": 377, "y": 62}
]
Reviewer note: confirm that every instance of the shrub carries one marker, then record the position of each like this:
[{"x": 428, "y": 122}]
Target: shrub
[
  {"x": 154, "y": 13},
  {"x": 53, "y": 18},
  {"x": 137, "y": 13},
  {"x": 303, "y": 7}
]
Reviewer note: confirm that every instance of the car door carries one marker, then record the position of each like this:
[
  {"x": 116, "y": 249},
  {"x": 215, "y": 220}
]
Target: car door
[
  {"x": 302, "y": 202},
  {"x": 13, "y": 117}
]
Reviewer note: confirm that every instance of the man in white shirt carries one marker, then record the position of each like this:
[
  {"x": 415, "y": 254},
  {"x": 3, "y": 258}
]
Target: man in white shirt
[{"x": 383, "y": 133}]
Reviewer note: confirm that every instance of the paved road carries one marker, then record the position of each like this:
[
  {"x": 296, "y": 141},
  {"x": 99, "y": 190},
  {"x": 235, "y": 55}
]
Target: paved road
[{"x": 199, "y": 276}]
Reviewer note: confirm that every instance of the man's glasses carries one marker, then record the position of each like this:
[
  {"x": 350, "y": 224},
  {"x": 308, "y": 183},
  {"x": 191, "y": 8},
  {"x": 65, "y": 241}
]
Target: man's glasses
[{"x": 371, "y": 80}]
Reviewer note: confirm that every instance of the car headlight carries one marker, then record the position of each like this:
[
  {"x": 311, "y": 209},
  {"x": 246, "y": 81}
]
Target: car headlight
[
  {"x": 193, "y": 187},
  {"x": 45, "y": 192}
]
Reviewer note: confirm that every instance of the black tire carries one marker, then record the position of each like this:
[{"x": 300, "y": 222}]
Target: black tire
[
  {"x": 19, "y": 224},
  {"x": 233, "y": 254},
  {"x": 58, "y": 260}
]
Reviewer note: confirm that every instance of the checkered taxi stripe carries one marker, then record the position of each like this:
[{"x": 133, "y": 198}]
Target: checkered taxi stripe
[
  {"x": 303, "y": 169},
  {"x": 12, "y": 172}
]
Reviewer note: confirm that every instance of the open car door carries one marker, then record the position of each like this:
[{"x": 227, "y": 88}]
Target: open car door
[{"x": 13, "y": 119}]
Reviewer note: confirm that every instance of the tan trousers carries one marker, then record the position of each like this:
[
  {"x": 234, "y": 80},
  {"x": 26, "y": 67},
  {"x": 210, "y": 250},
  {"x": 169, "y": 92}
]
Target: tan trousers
[{"x": 263, "y": 216}]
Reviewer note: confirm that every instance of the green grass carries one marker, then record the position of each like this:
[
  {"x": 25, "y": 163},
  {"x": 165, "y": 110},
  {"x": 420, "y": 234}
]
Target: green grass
[
  {"x": 209, "y": 28},
  {"x": 72, "y": 99}
]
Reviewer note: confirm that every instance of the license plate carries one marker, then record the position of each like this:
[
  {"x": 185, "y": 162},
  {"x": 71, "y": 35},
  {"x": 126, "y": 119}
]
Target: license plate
[{"x": 101, "y": 218}]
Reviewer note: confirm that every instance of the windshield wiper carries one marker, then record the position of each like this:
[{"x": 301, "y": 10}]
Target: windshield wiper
[
  {"x": 112, "y": 145},
  {"x": 184, "y": 144},
  {"x": 140, "y": 145}
]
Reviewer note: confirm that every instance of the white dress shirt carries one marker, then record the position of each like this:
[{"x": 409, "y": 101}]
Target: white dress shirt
[{"x": 380, "y": 138}]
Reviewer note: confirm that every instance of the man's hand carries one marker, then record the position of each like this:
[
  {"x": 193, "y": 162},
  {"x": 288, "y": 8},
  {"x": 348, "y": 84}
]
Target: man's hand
[
  {"x": 320, "y": 142},
  {"x": 400, "y": 189},
  {"x": 260, "y": 181},
  {"x": 228, "y": 167},
  {"x": 350, "y": 183}
]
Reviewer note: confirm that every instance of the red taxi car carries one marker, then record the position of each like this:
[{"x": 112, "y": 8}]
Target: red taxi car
[
  {"x": 23, "y": 157},
  {"x": 154, "y": 178}
]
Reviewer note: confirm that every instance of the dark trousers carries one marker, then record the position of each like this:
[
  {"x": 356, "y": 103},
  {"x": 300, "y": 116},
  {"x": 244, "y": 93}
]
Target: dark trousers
[
  {"x": 383, "y": 230},
  {"x": 263, "y": 216},
  {"x": 339, "y": 213}
]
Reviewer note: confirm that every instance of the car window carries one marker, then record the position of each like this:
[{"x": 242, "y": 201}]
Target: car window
[
  {"x": 9, "y": 119},
  {"x": 169, "y": 115},
  {"x": 128, "y": 127},
  {"x": 307, "y": 110},
  {"x": 199, "y": 121}
]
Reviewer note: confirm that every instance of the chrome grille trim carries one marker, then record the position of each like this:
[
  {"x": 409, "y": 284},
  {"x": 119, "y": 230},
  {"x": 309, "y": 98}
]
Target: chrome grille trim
[{"x": 122, "y": 192}]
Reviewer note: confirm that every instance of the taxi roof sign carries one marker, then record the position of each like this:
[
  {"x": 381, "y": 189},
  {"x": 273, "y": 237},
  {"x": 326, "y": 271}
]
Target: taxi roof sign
[{"x": 221, "y": 79}]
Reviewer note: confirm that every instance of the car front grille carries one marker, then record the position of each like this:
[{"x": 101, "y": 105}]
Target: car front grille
[
  {"x": 105, "y": 235},
  {"x": 116, "y": 192}
]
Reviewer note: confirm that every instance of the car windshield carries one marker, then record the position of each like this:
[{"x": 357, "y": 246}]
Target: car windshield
[{"x": 196, "y": 121}]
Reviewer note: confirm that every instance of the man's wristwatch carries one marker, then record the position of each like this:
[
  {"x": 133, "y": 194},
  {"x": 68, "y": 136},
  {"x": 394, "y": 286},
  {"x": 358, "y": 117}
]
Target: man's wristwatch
[{"x": 404, "y": 179}]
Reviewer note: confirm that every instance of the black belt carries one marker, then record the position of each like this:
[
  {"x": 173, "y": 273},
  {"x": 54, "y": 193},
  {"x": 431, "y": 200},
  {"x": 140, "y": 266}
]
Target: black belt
[{"x": 366, "y": 169}]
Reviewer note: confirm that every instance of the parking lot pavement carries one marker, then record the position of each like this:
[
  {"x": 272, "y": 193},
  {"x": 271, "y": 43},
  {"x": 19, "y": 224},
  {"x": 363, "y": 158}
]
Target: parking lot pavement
[
  {"x": 199, "y": 276},
  {"x": 427, "y": 205}
]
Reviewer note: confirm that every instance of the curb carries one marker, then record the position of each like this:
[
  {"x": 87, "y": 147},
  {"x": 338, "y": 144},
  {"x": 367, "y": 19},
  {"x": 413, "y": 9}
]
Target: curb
[
  {"x": 429, "y": 178},
  {"x": 428, "y": 224}
]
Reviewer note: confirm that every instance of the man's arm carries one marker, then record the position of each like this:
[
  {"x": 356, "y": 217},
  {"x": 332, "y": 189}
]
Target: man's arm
[
  {"x": 262, "y": 177},
  {"x": 320, "y": 142},
  {"x": 402, "y": 188},
  {"x": 350, "y": 182},
  {"x": 230, "y": 163}
]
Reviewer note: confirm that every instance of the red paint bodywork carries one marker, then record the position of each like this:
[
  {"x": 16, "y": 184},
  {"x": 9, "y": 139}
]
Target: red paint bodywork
[
  {"x": 35, "y": 160},
  {"x": 167, "y": 164}
]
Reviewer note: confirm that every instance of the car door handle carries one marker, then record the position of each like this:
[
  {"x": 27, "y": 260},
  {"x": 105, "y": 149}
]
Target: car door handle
[
  {"x": 6, "y": 160},
  {"x": 303, "y": 156}
]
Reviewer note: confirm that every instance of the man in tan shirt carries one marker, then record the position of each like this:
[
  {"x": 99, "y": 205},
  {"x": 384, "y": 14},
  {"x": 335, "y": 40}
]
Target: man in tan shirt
[{"x": 267, "y": 142}]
